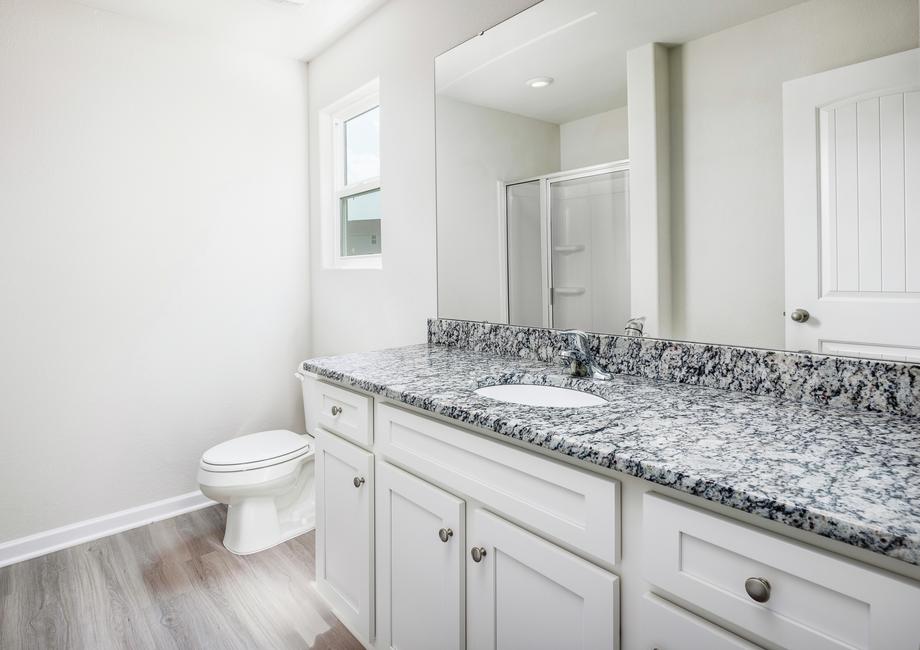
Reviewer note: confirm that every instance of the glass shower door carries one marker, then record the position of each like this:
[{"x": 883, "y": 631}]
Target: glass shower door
[
  {"x": 589, "y": 239},
  {"x": 527, "y": 267}
]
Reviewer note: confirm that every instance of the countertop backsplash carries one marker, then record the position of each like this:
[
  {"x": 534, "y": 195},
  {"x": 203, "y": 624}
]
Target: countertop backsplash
[{"x": 863, "y": 384}]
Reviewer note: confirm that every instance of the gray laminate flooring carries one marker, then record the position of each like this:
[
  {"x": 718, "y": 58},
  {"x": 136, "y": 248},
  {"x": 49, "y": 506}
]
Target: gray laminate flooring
[{"x": 170, "y": 584}]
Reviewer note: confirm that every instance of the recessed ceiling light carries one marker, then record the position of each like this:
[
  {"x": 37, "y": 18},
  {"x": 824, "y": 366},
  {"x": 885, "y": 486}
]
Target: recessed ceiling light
[{"x": 539, "y": 82}]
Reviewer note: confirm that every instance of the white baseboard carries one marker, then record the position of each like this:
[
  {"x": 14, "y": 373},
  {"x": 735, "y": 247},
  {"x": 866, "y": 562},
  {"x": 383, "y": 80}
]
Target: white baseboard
[{"x": 48, "y": 541}]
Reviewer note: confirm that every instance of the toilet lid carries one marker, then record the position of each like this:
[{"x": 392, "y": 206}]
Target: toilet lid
[{"x": 257, "y": 447}]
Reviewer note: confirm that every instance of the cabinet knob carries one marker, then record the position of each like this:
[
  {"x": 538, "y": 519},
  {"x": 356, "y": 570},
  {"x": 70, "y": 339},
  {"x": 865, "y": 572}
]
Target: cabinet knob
[
  {"x": 358, "y": 481},
  {"x": 758, "y": 589},
  {"x": 445, "y": 534},
  {"x": 800, "y": 315},
  {"x": 478, "y": 553},
  {"x": 336, "y": 410}
]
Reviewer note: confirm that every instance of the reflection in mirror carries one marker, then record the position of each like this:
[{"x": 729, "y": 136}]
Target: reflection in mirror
[{"x": 744, "y": 172}]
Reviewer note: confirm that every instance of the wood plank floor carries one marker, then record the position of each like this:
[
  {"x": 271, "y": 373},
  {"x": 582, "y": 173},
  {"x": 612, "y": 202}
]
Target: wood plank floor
[{"x": 170, "y": 584}]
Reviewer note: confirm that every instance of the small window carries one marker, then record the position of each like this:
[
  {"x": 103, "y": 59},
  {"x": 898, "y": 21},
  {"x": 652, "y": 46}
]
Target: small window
[{"x": 350, "y": 176}]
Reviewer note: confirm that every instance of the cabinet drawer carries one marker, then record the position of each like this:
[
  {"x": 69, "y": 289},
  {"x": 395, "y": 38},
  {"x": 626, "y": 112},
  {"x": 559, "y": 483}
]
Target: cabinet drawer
[
  {"x": 344, "y": 412},
  {"x": 574, "y": 507},
  {"x": 815, "y": 600},
  {"x": 668, "y": 627}
]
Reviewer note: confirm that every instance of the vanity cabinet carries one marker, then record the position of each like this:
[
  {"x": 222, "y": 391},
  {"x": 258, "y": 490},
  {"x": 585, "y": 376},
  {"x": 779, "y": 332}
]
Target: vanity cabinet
[
  {"x": 344, "y": 530},
  {"x": 432, "y": 536},
  {"x": 420, "y": 552},
  {"x": 524, "y": 592}
]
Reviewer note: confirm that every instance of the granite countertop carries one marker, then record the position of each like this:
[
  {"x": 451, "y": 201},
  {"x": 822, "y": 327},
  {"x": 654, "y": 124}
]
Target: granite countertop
[{"x": 847, "y": 475}]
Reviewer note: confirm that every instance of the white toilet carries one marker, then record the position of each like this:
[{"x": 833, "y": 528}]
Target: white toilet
[{"x": 266, "y": 479}]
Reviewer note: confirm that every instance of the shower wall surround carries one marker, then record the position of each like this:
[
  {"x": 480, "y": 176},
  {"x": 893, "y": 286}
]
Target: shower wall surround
[{"x": 862, "y": 384}]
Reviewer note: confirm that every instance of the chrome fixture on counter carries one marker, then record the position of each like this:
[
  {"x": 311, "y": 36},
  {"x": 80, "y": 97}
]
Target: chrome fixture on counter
[
  {"x": 581, "y": 361},
  {"x": 635, "y": 326}
]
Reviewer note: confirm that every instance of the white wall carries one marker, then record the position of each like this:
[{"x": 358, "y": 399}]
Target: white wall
[
  {"x": 477, "y": 147},
  {"x": 649, "y": 188},
  {"x": 359, "y": 310},
  {"x": 726, "y": 156},
  {"x": 153, "y": 269},
  {"x": 594, "y": 139}
]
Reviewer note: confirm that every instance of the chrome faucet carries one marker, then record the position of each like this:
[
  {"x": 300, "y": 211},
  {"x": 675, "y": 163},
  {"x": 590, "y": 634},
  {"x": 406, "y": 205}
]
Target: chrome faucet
[
  {"x": 581, "y": 361},
  {"x": 635, "y": 326}
]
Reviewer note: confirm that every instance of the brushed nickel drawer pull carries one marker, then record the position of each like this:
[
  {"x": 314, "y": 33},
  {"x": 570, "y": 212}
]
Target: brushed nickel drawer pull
[{"x": 758, "y": 589}]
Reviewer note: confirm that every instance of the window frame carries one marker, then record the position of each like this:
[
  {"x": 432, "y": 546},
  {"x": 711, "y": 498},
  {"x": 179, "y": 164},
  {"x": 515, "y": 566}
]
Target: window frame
[{"x": 334, "y": 190}]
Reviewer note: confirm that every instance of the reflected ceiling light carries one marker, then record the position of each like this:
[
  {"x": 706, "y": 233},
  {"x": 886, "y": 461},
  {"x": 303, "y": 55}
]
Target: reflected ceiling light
[{"x": 539, "y": 82}]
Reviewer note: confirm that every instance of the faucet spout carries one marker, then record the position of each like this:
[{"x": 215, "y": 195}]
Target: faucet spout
[{"x": 581, "y": 362}]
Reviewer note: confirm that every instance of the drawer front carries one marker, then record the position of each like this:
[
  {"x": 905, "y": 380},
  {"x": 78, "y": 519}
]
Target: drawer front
[
  {"x": 574, "y": 507},
  {"x": 815, "y": 600},
  {"x": 344, "y": 412},
  {"x": 669, "y": 627}
]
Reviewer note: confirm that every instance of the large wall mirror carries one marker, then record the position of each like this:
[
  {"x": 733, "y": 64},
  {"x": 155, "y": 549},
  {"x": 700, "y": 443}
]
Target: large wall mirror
[{"x": 744, "y": 172}]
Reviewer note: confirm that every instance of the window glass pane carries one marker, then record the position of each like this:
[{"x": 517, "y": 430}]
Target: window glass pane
[
  {"x": 362, "y": 147},
  {"x": 361, "y": 224}
]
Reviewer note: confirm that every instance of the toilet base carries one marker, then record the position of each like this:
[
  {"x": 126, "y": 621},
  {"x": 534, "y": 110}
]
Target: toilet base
[{"x": 254, "y": 527}]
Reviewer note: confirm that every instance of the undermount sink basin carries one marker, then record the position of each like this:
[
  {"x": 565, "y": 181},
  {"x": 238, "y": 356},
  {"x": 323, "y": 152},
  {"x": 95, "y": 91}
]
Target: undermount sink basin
[{"x": 533, "y": 395}]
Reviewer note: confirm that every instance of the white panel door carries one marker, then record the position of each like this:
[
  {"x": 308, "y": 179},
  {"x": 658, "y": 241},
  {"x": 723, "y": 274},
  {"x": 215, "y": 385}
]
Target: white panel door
[
  {"x": 851, "y": 140},
  {"x": 344, "y": 531},
  {"x": 420, "y": 548},
  {"x": 524, "y": 593}
]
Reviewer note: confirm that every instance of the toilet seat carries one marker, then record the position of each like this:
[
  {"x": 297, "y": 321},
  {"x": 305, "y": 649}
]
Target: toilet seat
[{"x": 255, "y": 451}]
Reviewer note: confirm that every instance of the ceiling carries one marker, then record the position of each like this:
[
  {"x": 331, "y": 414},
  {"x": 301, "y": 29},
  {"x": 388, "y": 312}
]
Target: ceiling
[
  {"x": 297, "y": 29},
  {"x": 582, "y": 45}
]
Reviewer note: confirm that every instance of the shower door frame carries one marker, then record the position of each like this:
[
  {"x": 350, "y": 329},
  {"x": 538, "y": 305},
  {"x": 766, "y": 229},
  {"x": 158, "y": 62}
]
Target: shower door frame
[{"x": 546, "y": 230}]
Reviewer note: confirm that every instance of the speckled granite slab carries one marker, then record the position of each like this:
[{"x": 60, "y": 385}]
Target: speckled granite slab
[
  {"x": 864, "y": 384},
  {"x": 852, "y": 476}
]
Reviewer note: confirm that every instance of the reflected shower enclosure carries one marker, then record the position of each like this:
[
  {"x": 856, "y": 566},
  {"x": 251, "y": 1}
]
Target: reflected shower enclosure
[{"x": 567, "y": 249}]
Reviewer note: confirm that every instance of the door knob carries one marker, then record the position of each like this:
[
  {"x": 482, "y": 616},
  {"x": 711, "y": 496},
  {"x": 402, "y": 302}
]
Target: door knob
[
  {"x": 336, "y": 410},
  {"x": 478, "y": 553},
  {"x": 758, "y": 589},
  {"x": 358, "y": 481},
  {"x": 800, "y": 315},
  {"x": 445, "y": 534}
]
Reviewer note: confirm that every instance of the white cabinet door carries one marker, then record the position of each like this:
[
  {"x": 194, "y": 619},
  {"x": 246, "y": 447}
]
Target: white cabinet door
[
  {"x": 344, "y": 525},
  {"x": 420, "y": 550},
  {"x": 525, "y": 593}
]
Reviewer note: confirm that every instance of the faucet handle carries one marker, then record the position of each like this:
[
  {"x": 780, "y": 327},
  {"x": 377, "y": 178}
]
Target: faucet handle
[{"x": 581, "y": 339}]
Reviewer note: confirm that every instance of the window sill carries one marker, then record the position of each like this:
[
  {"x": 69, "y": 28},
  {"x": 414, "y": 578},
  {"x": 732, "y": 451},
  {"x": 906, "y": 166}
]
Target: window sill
[{"x": 357, "y": 263}]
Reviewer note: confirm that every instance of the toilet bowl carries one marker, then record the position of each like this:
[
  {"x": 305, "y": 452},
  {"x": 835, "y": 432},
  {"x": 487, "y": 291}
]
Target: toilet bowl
[{"x": 266, "y": 480}]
